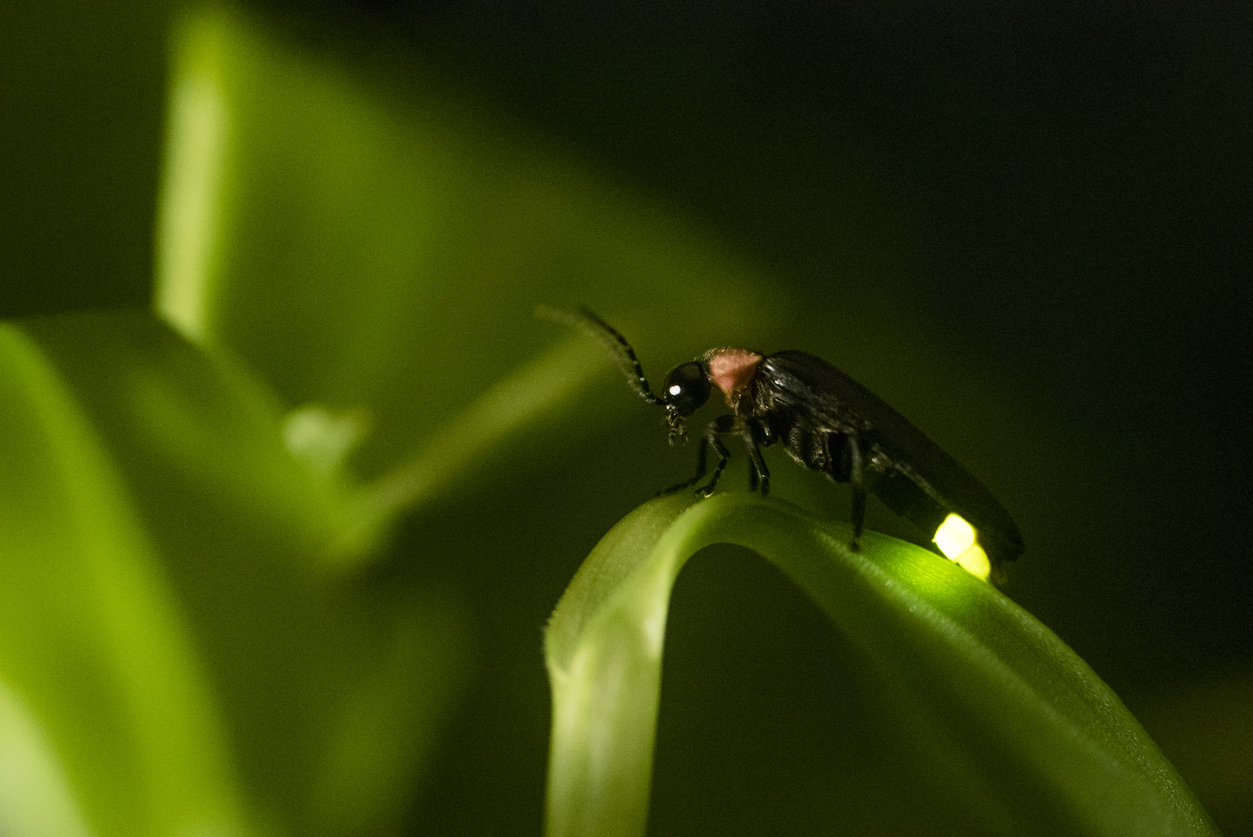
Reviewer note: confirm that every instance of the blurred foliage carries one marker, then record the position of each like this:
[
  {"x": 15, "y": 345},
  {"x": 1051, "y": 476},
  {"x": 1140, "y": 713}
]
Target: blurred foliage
[
  {"x": 276, "y": 558},
  {"x": 223, "y": 492}
]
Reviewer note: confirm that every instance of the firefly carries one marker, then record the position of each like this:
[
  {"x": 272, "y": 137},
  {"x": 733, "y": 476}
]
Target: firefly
[{"x": 830, "y": 423}]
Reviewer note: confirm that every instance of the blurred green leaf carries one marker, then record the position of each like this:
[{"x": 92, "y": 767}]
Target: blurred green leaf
[
  {"x": 192, "y": 546},
  {"x": 1008, "y": 719},
  {"x": 379, "y": 244},
  {"x": 162, "y": 544},
  {"x": 93, "y": 644}
]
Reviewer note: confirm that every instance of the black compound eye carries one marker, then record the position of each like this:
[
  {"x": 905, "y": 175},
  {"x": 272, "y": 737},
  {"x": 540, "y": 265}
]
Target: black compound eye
[{"x": 687, "y": 387}]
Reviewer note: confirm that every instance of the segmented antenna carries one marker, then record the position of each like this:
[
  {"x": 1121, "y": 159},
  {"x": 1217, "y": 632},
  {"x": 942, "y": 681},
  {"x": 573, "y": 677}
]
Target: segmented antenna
[{"x": 617, "y": 346}]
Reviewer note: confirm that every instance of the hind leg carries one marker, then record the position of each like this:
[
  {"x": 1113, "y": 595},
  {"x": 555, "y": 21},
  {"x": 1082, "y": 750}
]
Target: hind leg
[{"x": 844, "y": 464}]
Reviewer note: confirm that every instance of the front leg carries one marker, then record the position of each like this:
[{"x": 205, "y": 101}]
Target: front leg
[{"x": 712, "y": 439}]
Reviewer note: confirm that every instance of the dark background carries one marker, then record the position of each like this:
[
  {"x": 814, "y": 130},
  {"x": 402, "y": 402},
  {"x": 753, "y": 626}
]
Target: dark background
[{"x": 1065, "y": 193}]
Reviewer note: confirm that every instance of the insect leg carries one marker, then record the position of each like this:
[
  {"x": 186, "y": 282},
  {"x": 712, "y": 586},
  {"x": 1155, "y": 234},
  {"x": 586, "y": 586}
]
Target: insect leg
[
  {"x": 859, "y": 490},
  {"x": 841, "y": 454},
  {"x": 711, "y": 437},
  {"x": 758, "y": 473},
  {"x": 717, "y": 428}
]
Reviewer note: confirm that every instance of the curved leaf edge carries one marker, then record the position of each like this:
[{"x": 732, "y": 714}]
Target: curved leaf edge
[{"x": 1046, "y": 744}]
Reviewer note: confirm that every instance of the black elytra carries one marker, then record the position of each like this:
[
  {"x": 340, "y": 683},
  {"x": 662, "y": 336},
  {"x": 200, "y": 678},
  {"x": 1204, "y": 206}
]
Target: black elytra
[{"x": 827, "y": 422}]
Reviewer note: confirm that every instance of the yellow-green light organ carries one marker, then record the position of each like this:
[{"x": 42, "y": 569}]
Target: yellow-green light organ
[{"x": 958, "y": 541}]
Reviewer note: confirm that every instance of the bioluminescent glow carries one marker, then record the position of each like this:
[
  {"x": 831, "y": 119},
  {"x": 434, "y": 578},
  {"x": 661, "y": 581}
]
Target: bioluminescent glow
[{"x": 957, "y": 540}]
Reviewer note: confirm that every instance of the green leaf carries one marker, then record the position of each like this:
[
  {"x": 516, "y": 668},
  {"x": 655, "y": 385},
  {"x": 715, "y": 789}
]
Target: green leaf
[
  {"x": 372, "y": 242},
  {"x": 93, "y": 646},
  {"x": 1017, "y": 727},
  {"x": 172, "y": 625}
]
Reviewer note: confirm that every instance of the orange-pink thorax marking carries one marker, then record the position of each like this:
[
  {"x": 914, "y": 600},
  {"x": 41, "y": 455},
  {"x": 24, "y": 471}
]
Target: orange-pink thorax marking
[{"x": 731, "y": 370}]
